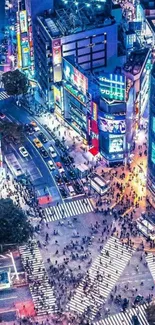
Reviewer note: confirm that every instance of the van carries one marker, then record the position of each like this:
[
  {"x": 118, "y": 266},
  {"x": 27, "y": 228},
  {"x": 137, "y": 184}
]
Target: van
[{"x": 71, "y": 190}]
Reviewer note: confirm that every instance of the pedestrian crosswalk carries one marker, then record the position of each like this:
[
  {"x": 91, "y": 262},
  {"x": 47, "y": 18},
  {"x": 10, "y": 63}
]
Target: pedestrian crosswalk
[
  {"x": 126, "y": 317},
  {"x": 3, "y": 95},
  {"x": 41, "y": 291},
  {"x": 150, "y": 258},
  {"x": 68, "y": 209},
  {"x": 101, "y": 278}
]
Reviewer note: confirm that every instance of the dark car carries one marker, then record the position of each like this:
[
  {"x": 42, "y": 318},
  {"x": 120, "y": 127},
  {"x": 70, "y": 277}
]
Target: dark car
[
  {"x": 44, "y": 153},
  {"x": 72, "y": 174},
  {"x": 57, "y": 142},
  {"x": 58, "y": 179},
  {"x": 78, "y": 188},
  {"x": 65, "y": 178},
  {"x": 135, "y": 320},
  {"x": 29, "y": 129},
  {"x": 42, "y": 137},
  {"x": 63, "y": 192}
]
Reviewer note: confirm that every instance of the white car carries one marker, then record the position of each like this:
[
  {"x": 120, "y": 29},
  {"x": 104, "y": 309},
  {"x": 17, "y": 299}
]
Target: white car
[
  {"x": 50, "y": 165},
  {"x": 52, "y": 152},
  {"x": 36, "y": 128},
  {"x": 23, "y": 152}
]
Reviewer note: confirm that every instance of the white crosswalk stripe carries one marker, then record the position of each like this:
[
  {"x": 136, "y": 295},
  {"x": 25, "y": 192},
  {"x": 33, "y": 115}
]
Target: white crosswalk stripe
[
  {"x": 4, "y": 95},
  {"x": 101, "y": 278},
  {"x": 43, "y": 291},
  {"x": 68, "y": 209},
  {"x": 150, "y": 258},
  {"x": 126, "y": 317}
]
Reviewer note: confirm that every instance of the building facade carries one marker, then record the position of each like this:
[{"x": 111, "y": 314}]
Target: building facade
[{"x": 151, "y": 143}]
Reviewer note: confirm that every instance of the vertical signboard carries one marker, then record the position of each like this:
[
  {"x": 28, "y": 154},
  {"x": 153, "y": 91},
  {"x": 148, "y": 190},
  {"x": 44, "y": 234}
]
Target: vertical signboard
[
  {"x": 23, "y": 21},
  {"x": 94, "y": 129},
  {"x": 57, "y": 60},
  {"x": 19, "y": 54}
]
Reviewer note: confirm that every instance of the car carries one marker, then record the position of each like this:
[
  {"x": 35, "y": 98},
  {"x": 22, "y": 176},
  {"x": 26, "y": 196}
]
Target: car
[
  {"x": 57, "y": 142},
  {"x": 50, "y": 165},
  {"x": 59, "y": 164},
  {"x": 78, "y": 188},
  {"x": 72, "y": 174},
  {"x": 58, "y": 179},
  {"x": 65, "y": 178},
  {"x": 23, "y": 152},
  {"x": 29, "y": 129},
  {"x": 2, "y": 116},
  {"x": 37, "y": 143},
  {"x": 34, "y": 126},
  {"x": 63, "y": 192},
  {"x": 52, "y": 152},
  {"x": 135, "y": 320},
  {"x": 42, "y": 137},
  {"x": 44, "y": 153}
]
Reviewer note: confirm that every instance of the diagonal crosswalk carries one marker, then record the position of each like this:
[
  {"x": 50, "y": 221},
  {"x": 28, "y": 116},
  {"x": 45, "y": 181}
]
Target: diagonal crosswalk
[
  {"x": 68, "y": 209},
  {"x": 3, "y": 95},
  {"x": 101, "y": 278},
  {"x": 126, "y": 317},
  {"x": 150, "y": 258},
  {"x": 41, "y": 291}
]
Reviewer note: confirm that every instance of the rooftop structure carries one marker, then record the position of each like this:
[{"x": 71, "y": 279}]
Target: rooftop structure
[
  {"x": 76, "y": 18},
  {"x": 136, "y": 62}
]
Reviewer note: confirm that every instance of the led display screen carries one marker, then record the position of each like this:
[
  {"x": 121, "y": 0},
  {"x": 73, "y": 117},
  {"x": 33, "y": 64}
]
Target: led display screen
[
  {"x": 153, "y": 153},
  {"x": 112, "y": 87},
  {"x": 116, "y": 144},
  {"x": 75, "y": 77},
  {"x": 112, "y": 124}
]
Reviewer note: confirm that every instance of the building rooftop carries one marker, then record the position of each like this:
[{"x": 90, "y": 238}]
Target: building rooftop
[
  {"x": 71, "y": 20},
  {"x": 148, "y": 4},
  {"x": 151, "y": 21},
  {"x": 136, "y": 61}
]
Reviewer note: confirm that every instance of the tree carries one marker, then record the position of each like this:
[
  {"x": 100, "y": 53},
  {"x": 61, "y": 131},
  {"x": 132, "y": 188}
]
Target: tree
[
  {"x": 14, "y": 225},
  {"x": 11, "y": 130},
  {"x": 15, "y": 82},
  {"x": 150, "y": 313}
]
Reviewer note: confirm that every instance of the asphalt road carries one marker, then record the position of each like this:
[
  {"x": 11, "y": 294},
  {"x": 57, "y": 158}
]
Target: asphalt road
[{"x": 35, "y": 165}]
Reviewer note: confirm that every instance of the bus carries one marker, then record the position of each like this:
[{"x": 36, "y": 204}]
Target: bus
[
  {"x": 98, "y": 184},
  {"x": 14, "y": 165}
]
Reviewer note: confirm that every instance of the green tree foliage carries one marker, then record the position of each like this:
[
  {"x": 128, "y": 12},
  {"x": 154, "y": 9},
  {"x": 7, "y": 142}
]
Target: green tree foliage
[
  {"x": 15, "y": 82},
  {"x": 150, "y": 312},
  {"x": 11, "y": 130},
  {"x": 14, "y": 225}
]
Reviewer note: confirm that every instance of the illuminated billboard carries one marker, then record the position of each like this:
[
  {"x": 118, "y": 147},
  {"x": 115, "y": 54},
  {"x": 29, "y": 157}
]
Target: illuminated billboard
[
  {"x": 23, "y": 21},
  {"x": 112, "y": 87},
  {"x": 116, "y": 143},
  {"x": 112, "y": 124},
  {"x": 75, "y": 77},
  {"x": 56, "y": 49},
  {"x": 25, "y": 53}
]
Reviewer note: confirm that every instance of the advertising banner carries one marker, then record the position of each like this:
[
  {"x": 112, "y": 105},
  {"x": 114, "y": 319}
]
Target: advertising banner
[
  {"x": 75, "y": 77},
  {"x": 26, "y": 62},
  {"x": 23, "y": 21},
  {"x": 116, "y": 143},
  {"x": 56, "y": 48},
  {"x": 112, "y": 124},
  {"x": 112, "y": 87}
]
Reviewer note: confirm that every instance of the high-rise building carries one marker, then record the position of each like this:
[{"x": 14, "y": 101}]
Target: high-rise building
[
  {"x": 92, "y": 42},
  {"x": 151, "y": 142},
  {"x": 2, "y": 17}
]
